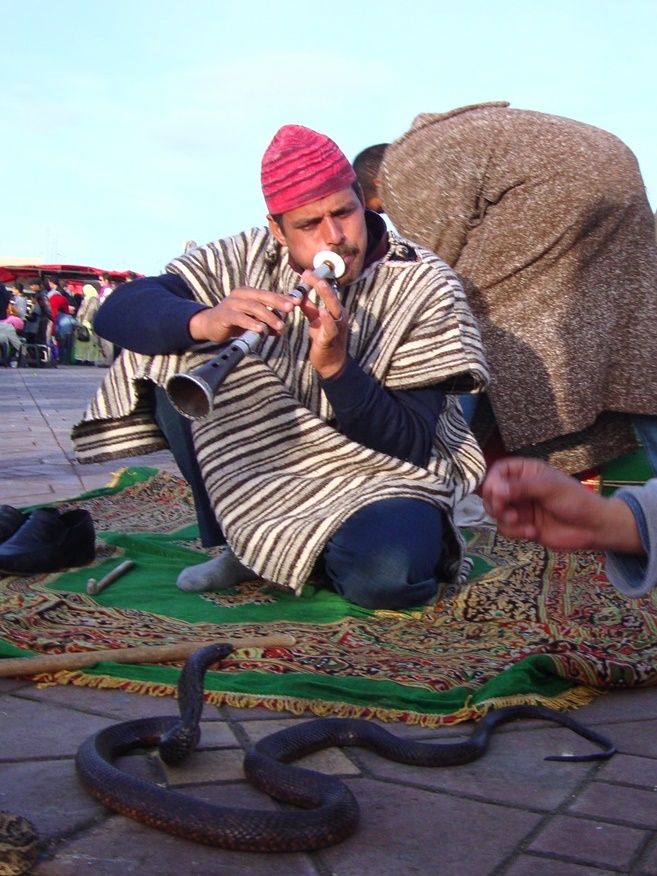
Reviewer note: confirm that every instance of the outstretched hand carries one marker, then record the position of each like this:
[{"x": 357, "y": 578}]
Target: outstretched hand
[{"x": 531, "y": 500}]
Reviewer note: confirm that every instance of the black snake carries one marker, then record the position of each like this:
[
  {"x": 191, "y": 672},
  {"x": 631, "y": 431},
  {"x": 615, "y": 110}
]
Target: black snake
[{"x": 329, "y": 811}]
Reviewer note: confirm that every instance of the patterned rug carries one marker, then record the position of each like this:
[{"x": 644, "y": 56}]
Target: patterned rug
[{"x": 530, "y": 625}]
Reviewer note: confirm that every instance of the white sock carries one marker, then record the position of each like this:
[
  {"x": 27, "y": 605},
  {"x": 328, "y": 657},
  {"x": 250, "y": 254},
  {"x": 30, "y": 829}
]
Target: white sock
[{"x": 220, "y": 573}]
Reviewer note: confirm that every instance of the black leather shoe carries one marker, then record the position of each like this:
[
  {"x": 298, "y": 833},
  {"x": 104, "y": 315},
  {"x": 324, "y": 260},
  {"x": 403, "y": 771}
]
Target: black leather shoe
[
  {"x": 49, "y": 541},
  {"x": 11, "y": 520}
]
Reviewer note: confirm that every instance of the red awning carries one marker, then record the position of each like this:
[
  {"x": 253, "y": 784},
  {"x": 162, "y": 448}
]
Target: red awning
[{"x": 80, "y": 273}]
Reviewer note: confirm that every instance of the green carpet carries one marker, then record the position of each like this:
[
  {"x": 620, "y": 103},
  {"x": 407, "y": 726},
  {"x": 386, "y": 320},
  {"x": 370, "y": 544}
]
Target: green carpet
[{"x": 530, "y": 625}]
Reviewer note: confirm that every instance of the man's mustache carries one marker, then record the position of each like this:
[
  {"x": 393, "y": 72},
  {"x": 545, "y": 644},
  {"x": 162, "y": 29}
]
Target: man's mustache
[{"x": 344, "y": 249}]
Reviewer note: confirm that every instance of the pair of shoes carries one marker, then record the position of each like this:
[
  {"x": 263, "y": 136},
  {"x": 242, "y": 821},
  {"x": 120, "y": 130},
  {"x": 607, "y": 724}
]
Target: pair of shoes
[
  {"x": 49, "y": 541},
  {"x": 11, "y": 520}
]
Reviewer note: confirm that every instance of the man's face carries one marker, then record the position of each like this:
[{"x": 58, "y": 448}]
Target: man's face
[{"x": 336, "y": 223}]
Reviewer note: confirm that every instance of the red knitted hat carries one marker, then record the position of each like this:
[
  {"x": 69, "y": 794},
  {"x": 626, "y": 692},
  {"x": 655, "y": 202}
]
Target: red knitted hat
[{"x": 301, "y": 166}]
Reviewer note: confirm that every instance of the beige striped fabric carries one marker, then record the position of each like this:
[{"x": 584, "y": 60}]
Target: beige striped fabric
[{"x": 281, "y": 477}]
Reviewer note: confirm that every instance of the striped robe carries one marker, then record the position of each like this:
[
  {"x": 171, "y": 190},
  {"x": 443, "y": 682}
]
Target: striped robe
[{"x": 280, "y": 476}]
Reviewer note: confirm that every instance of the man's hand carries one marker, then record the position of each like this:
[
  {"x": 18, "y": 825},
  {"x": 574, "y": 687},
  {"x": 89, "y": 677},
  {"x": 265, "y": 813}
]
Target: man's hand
[
  {"x": 243, "y": 309},
  {"x": 328, "y": 328},
  {"x": 531, "y": 500},
  {"x": 253, "y": 309}
]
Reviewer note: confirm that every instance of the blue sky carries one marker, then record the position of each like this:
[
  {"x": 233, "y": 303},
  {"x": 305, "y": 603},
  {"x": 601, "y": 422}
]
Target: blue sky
[{"x": 131, "y": 126}]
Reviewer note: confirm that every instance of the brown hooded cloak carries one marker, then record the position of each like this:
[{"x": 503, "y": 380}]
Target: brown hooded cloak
[{"x": 547, "y": 224}]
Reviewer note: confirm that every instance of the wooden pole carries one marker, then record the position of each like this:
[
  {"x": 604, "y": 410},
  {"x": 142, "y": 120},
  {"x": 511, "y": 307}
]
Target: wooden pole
[{"x": 140, "y": 654}]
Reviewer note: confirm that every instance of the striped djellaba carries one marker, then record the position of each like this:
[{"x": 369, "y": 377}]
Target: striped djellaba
[{"x": 280, "y": 475}]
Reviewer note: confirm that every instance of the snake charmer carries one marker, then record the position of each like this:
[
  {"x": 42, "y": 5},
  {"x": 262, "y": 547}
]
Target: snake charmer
[{"x": 338, "y": 451}]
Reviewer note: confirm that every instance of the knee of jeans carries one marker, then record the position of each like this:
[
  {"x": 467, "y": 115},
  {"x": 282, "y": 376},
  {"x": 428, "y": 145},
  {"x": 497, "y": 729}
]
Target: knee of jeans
[
  {"x": 387, "y": 583},
  {"x": 386, "y": 595}
]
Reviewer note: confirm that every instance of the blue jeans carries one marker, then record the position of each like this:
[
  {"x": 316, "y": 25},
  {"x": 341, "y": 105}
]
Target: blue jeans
[
  {"x": 383, "y": 556},
  {"x": 178, "y": 432},
  {"x": 646, "y": 428},
  {"x": 386, "y": 555},
  {"x": 468, "y": 404}
]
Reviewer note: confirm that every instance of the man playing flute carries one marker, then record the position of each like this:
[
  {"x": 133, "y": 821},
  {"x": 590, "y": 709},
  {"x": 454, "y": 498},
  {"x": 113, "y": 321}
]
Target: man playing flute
[{"x": 338, "y": 451}]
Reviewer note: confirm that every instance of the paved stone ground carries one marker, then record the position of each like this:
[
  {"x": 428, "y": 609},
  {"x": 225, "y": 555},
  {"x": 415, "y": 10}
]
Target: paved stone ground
[{"x": 509, "y": 814}]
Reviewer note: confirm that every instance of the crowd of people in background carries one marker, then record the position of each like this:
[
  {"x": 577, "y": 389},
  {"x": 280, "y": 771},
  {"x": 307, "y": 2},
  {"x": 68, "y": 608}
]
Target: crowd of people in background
[{"x": 56, "y": 317}]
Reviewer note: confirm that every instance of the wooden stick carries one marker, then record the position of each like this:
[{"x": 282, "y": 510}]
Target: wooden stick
[{"x": 140, "y": 654}]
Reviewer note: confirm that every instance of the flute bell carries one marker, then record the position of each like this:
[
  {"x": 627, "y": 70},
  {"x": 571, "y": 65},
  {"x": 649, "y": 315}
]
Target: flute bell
[{"x": 192, "y": 393}]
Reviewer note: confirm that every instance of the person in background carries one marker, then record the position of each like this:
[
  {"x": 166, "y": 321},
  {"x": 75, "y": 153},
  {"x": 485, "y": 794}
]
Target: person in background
[
  {"x": 106, "y": 287},
  {"x": 5, "y": 298},
  {"x": 546, "y": 222},
  {"x": 86, "y": 352},
  {"x": 14, "y": 320},
  {"x": 10, "y": 344},
  {"x": 37, "y": 324},
  {"x": 56, "y": 296},
  {"x": 63, "y": 333},
  {"x": 106, "y": 349},
  {"x": 74, "y": 296},
  {"x": 35, "y": 287},
  {"x": 19, "y": 301}
]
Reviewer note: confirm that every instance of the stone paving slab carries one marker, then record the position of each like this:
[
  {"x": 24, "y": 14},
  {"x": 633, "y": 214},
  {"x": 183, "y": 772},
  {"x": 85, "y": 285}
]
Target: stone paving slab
[
  {"x": 601, "y": 844},
  {"x": 412, "y": 830},
  {"x": 510, "y": 813}
]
